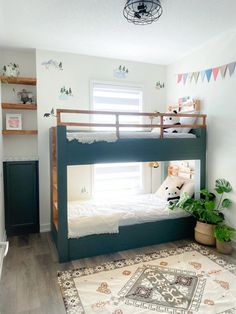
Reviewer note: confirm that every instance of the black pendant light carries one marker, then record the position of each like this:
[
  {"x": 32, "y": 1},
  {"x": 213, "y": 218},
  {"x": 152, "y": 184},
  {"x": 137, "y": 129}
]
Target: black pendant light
[{"x": 142, "y": 12}]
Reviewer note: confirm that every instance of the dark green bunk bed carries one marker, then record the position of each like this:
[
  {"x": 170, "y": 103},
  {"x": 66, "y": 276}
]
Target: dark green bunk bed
[{"x": 66, "y": 153}]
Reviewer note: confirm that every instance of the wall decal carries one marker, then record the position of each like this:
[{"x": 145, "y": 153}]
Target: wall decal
[
  {"x": 65, "y": 93},
  {"x": 159, "y": 85},
  {"x": 121, "y": 72},
  {"x": 52, "y": 64},
  {"x": 50, "y": 114},
  {"x": 208, "y": 73}
]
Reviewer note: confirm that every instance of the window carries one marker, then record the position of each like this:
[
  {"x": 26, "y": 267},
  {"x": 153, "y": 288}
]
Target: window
[
  {"x": 109, "y": 97},
  {"x": 120, "y": 179},
  {"x": 117, "y": 178}
]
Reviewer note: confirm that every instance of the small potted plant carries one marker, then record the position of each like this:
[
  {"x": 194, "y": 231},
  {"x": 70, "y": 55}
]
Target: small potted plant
[
  {"x": 224, "y": 235},
  {"x": 12, "y": 69},
  {"x": 206, "y": 210}
]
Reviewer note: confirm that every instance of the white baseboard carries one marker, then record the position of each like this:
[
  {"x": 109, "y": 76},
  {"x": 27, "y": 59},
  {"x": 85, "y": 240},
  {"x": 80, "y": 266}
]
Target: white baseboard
[
  {"x": 3, "y": 236},
  {"x": 45, "y": 227},
  {"x": 3, "y": 249}
]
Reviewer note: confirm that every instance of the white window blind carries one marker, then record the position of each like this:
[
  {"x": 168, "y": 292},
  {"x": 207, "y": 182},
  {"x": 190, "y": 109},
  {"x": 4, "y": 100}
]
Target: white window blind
[
  {"x": 109, "y": 97},
  {"x": 119, "y": 178}
]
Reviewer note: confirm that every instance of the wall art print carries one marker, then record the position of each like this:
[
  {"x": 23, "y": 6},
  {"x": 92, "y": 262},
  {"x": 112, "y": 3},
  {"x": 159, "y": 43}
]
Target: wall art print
[{"x": 52, "y": 64}]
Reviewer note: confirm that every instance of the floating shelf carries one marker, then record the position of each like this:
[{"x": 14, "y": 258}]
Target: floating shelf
[
  {"x": 19, "y": 132},
  {"x": 19, "y": 106},
  {"x": 18, "y": 80}
]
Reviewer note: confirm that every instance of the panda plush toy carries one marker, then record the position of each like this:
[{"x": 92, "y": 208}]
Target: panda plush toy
[
  {"x": 173, "y": 121},
  {"x": 172, "y": 193}
]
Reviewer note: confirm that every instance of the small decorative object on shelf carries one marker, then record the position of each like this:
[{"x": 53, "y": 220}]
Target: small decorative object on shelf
[
  {"x": 13, "y": 121},
  {"x": 121, "y": 72},
  {"x": 12, "y": 69},
  {"x": 65, "y": 93},
  {"x": 25, "y": 96},
  {"x": 159, "y": 85}
]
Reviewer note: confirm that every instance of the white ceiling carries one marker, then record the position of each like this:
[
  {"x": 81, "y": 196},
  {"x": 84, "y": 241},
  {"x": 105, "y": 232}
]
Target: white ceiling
[{"x": 97, "y": 27}]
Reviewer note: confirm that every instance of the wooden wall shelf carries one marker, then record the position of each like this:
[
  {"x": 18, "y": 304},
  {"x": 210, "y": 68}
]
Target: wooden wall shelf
[
  {"x": 19, "y": 132},
  {"x": 19, "y": 106},
  {"x": 18, "y": 80}
]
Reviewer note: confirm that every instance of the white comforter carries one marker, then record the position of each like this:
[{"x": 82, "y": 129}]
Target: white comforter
[
  {"x": 104, "y": 216},
  {"x": 91, "y": 137}
]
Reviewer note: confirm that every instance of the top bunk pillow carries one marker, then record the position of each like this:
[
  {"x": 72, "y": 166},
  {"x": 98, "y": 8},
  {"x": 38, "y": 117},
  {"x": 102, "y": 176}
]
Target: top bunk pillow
[{"x": 169, "y": 183}]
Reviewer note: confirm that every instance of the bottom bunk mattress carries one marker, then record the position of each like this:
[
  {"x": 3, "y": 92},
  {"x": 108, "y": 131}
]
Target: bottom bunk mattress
[{"x": 106, "y": 216}]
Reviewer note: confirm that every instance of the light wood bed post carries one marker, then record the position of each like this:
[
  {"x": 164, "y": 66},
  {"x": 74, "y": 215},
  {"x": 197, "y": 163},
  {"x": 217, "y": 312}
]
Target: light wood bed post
[
  {"x": 200, "y": 167},
  {"x": 61, "y": 154}
]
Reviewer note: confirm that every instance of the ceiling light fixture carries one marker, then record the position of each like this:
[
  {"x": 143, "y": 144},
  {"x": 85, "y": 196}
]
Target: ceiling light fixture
[{"x": 142, "y": 12}]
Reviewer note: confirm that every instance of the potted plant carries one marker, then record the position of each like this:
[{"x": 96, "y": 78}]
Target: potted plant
[
  {"x": 206, "y": 210},
  {"x": 224, "y": 234}
]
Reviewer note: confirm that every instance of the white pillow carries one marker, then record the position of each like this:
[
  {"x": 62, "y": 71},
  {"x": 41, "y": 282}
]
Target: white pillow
[
  {"x": 188, "y": 187},
  {"x": 187, "y": 120},
  {"x": 168, "y": 182}
]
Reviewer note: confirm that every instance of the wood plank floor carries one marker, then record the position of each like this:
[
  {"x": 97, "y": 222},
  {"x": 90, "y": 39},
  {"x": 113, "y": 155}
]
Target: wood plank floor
[{"x": 29, "y": 279}]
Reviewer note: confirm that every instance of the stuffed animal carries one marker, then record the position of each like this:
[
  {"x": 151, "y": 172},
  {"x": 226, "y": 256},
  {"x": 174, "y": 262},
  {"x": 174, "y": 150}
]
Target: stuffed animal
[
  {"x": 173, "y": 121},
  {"x": 172, "y": 193}
]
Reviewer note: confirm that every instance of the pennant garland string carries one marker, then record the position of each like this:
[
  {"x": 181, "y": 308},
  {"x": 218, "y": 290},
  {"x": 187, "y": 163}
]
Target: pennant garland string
[{"x": 208, "y": 73}]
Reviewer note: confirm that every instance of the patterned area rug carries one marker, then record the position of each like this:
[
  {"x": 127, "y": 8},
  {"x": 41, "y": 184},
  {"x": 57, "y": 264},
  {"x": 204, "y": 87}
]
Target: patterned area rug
[{"x": 186, "y": 280}]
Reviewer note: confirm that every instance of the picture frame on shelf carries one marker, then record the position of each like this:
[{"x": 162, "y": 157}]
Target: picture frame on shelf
[{"x": 13, "y": 121}]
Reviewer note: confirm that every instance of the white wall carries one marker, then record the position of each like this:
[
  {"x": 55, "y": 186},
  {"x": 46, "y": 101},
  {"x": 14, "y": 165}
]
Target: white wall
[
  {"x": 218, "y": 102},
  {"x": 78, "y": 71}
]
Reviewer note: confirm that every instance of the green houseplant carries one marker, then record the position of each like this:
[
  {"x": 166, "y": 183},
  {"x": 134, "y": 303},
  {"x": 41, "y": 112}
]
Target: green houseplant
[
  {"x": 224, "y": 234},
  {"x": 207, "y": 210}
]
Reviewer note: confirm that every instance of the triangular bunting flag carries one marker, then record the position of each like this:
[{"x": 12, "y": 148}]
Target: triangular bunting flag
[
  {"x": 196, "y": 76},
  {"x": 180, "y": 76},
  {"x": 208, "y": 74},
  {"x": 223, "y": 70},
  {"x": 215, "y": 72},
  {"x": 185, "y": 76},
  {"x": 191, "y": 76},
  {"x": 203, "y": 74},
  {"x": 231, "y": 68}
]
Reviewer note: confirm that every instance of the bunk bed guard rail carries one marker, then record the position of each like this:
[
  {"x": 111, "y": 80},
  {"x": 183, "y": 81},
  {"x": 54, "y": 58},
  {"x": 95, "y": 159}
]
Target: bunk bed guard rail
[{"x": 117, "y": 125}]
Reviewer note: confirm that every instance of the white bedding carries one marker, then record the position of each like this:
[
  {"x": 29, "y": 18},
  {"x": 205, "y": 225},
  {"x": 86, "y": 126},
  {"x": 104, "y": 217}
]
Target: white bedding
[
  {"x": 103, "y": 216},
  {"x": 91, "y": 137}
]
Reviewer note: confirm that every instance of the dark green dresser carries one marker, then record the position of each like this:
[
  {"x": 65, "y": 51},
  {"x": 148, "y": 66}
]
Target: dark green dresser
[{"x": 21, "y": 193}]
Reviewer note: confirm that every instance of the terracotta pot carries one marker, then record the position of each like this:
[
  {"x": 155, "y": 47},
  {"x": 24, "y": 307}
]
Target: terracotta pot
[
  {"x": 204, "y": 233},
  {"x": 224, "y": 247}
]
